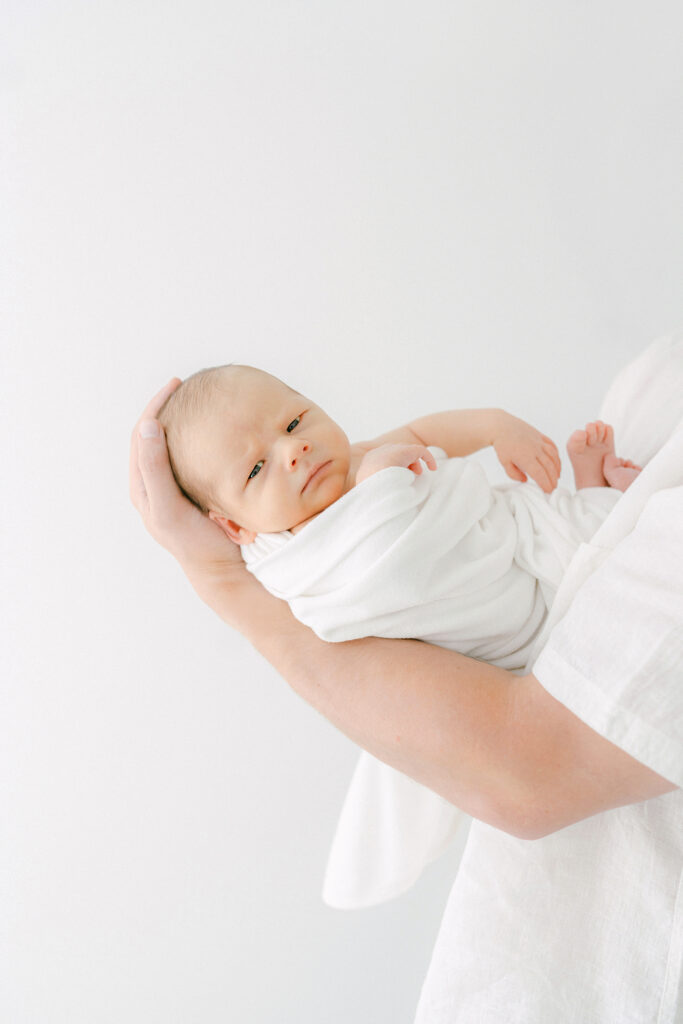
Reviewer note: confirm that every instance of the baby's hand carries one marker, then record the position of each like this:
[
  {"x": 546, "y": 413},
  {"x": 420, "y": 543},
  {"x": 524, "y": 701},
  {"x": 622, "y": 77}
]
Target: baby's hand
[
  {"x": 405, "y": 455},
  {"x": 523, "y": 451}
]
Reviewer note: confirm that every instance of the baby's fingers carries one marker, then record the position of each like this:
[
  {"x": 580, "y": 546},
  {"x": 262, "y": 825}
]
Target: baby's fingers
[
  {"x": 550, "y": 448},
  {"x": 514, "y": 472},
  {"x": 427, "y": 458},
  {"x": 543, "y": 473},
  {"x": 551, "y": 469},
  {"x": 423, "y": 454}
]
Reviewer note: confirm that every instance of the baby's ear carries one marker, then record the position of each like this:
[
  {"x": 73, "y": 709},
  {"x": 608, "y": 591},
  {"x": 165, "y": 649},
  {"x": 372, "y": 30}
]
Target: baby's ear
[{"x": 232, "y": 529}]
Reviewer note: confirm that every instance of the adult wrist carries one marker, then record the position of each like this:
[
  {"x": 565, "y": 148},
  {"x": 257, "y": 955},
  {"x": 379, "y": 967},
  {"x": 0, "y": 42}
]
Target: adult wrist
[{"x": 219, "y": 585}]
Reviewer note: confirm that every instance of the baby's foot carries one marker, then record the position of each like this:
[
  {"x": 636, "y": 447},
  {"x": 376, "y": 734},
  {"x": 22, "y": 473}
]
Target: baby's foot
[
  {"x": 619, "y": 473},
  {"x": 587, "y": 450}
]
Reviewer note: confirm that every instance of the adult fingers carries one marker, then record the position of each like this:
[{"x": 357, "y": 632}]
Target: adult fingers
[
  {"x": 154, "y": 405},
  {"x": 136, "y": 486},
  {"x": 135, "y": 481},
  {"x": 164, "y": 500}
]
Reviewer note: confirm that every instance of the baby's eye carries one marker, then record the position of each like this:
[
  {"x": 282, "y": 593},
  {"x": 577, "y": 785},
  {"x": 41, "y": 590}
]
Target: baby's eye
[
  {"x": 257, "y": 469},
  {"x": 293, "y": 424}
]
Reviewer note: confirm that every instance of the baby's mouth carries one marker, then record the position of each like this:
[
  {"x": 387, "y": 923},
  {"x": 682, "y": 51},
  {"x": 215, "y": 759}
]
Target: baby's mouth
[{"x": 314, "y": 472}]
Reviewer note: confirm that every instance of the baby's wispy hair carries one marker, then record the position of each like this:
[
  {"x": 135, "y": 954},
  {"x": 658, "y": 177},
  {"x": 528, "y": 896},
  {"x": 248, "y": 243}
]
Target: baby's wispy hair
[{"x": 180, "y": 416}]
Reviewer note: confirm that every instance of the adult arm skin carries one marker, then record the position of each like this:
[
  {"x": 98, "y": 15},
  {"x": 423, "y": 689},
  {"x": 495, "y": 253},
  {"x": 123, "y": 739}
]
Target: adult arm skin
[{"x": 496, "y": 745}]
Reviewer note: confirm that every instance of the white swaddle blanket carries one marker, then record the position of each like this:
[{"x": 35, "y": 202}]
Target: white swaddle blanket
[{"x": 443, "y": 557}]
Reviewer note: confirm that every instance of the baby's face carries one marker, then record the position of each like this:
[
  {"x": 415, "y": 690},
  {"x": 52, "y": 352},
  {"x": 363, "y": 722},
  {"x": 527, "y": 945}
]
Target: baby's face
[{"x": 276, "y": 458}]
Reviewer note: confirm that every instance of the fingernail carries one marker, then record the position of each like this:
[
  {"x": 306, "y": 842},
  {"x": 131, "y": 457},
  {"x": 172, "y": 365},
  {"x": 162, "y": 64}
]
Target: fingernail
[{"x": 149, "y": 428}]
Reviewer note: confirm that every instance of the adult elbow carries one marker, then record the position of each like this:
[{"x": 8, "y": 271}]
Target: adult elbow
[
  {"x": 530, "y": 830},
  {"x": 530, "y": 820},
  {"x": 523, "y": 819},
  {"x": 521, "y": 827}
]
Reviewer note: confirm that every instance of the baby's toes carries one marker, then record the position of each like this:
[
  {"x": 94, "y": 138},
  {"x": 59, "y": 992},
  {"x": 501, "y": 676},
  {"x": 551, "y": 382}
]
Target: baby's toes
[
  {"x": 592, "y": 433},
  {"x": 577, "y": 442},
  {"x": 611, "y": 461},
  {"x": 609, "y": 436}
]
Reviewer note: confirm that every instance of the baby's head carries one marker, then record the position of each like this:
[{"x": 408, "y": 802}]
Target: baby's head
[{"x": 251, "y": 453}]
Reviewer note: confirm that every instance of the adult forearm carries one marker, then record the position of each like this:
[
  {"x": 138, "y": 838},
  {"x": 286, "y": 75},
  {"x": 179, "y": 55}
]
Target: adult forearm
[
  {"x": 499, "y": 747},
  {"x": 495, "y": 745},
  {"x": 440, "y": 718}
]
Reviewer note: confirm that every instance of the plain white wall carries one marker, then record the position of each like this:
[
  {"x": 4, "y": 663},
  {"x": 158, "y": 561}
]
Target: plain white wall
[{"x": 396, "y": 207}]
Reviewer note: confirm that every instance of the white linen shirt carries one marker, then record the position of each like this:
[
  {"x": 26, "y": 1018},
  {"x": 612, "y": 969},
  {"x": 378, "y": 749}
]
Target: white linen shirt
[{"x": 585, "y": 926}]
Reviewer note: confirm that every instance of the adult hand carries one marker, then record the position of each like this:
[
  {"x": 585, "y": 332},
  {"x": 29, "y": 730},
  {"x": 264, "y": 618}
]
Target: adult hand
[
  {"x": 206, "y": 555},
  {"x": 524, "y": 451}
]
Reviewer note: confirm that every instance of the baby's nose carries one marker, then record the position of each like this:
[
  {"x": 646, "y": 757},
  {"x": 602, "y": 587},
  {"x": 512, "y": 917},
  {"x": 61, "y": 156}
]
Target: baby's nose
[{"x": 296, "y": 449}]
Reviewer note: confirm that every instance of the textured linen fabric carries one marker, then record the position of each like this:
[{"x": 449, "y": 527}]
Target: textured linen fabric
[
  {"x": 443, "y": 557},
  {"x": 586, "y": 925}
]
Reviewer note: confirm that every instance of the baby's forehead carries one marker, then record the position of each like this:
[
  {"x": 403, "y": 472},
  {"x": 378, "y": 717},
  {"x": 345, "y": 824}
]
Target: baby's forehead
[
  {"x": 245, "y": 401},
  {"x": 245, "y": 387}
]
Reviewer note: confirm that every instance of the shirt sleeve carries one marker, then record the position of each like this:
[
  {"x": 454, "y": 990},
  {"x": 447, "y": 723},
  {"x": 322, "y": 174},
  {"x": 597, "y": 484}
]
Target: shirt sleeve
[{"x": 616, "y": 658}]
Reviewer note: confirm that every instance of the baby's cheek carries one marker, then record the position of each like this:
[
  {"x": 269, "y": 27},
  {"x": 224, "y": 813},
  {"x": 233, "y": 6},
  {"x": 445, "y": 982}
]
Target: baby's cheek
[{"x": 331, "y": 491}]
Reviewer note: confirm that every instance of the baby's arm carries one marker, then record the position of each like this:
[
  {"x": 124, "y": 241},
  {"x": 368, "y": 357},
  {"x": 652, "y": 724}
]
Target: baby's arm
[{"x": 522, "y": 450}]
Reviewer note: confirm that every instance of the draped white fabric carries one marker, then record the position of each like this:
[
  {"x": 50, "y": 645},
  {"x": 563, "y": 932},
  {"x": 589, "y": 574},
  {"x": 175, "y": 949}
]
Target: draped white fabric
[
  {"x": 443, "y": 557},
  {"x": 587, "y": 924}
]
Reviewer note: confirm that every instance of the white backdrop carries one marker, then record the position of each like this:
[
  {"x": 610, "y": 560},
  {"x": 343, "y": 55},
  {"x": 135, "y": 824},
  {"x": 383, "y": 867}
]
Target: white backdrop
[{"x": 397, "y": 208}]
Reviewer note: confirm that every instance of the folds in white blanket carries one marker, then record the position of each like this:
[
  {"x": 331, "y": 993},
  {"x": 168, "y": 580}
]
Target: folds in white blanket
[{"x": 443, "y": 557}]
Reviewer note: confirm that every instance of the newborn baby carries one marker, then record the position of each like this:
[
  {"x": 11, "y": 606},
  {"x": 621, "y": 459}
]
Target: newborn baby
[
  {"x": 362, "y": 542},
  {"x": 451, "y": 559}
]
